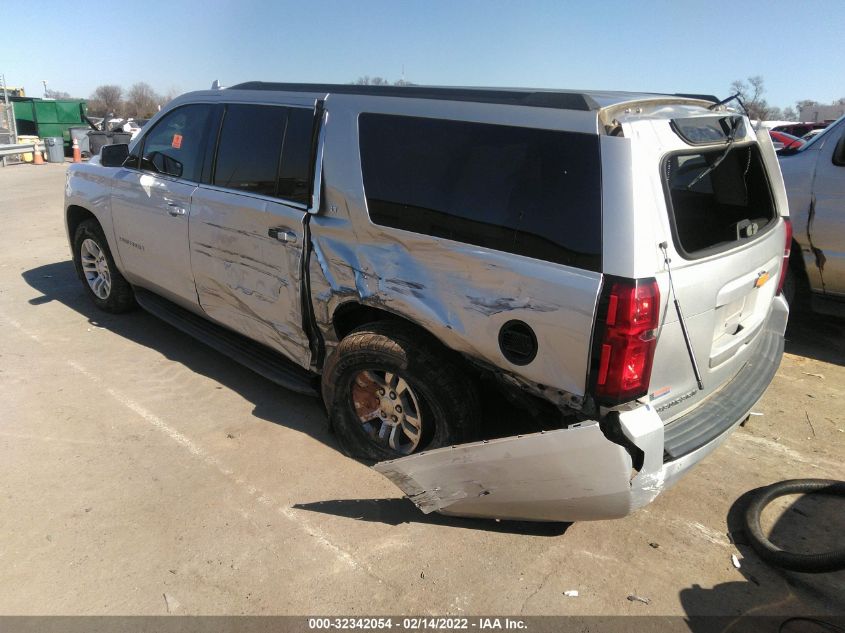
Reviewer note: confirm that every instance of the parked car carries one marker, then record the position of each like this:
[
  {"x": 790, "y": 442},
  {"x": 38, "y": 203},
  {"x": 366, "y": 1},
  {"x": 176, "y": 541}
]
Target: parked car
[
  {"x": 786, "y": 141},
  {"x": 799, "y": 129},
  {"x": 812, "y": 133},
  {"x": 610, "y": 262},
  {"x": 814, "y": 175}
]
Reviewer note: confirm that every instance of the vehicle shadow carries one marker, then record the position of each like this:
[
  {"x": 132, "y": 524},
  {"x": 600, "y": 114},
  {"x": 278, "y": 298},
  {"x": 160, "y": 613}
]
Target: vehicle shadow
[
  {"x": 816, "y": 335},
  {"x": 58, "y": 282},
  {"x": 398, "y": 511},
  {"x": 769, "y": 596}
]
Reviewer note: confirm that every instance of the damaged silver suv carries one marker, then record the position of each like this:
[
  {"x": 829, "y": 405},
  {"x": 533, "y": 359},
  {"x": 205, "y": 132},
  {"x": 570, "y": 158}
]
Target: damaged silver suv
[{"x": 541, "y": 305}]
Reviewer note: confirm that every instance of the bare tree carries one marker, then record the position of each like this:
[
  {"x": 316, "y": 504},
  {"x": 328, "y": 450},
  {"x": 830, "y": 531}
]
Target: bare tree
[
  {"x": 106, "y": 99},
  {"x": 142, "y": 101},
  {"x": 56, "y": 94},
  {"x": 751, "y": 93},
  {"x": 171, "y": 94},
  {"x": 366, "y": 80},
  {"x": 789, "y": 114}
]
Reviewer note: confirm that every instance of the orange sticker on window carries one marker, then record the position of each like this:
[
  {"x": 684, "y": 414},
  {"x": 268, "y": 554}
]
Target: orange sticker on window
[{"x": 177, "y": 141}]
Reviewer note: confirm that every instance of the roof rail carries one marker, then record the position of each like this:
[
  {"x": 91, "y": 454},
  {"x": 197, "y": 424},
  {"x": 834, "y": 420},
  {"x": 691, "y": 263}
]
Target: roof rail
[{"x": 561, "y": 100}]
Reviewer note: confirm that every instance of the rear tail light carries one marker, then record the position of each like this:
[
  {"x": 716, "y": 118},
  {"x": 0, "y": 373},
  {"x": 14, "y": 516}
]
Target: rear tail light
[
  {"x": 627, "y": 341},
  {"x": 784, "y": 267}
]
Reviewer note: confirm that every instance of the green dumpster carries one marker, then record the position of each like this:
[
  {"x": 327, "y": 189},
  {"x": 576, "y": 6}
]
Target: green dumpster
[{"x": 49, "y": 117}]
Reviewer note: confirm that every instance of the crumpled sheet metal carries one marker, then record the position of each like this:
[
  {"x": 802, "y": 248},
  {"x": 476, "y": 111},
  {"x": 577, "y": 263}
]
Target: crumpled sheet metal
[
  {"x": 463, "y": 296},
  {"x": 571, "y": 474}
]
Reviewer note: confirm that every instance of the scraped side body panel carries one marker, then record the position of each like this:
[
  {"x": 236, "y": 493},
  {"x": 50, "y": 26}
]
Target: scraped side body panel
[{"x": 461, "y": 293}]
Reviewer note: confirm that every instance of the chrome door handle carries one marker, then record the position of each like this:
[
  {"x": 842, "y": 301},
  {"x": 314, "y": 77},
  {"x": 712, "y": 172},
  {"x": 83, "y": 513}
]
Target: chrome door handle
[
  {"x": 175, "y": 210},
  {"x": 282, "y": 234}
]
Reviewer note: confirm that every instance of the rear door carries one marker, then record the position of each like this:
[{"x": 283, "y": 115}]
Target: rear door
[
  {"x": 151, "y": 199},
  {"x": 247, "y": 225}
]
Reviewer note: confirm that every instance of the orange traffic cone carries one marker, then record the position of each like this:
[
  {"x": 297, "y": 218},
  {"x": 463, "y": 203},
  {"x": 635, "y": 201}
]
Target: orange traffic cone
[
  {"x": 77, "y": 154},
  {"x": 37, "y": 158}
]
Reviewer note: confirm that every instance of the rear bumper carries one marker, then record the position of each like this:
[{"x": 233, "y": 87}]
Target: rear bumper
[
  {"x": 576, "y": 473},
  {"x": 734, "y": 400}
]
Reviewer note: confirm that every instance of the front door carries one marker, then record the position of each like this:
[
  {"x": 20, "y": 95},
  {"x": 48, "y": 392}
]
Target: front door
[
  {"x": 246, "y": 238},
  {"x": 151, "y": 202}
]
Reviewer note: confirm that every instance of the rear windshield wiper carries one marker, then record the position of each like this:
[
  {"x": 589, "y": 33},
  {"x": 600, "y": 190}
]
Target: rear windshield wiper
[{"x": 735, "y": 123}]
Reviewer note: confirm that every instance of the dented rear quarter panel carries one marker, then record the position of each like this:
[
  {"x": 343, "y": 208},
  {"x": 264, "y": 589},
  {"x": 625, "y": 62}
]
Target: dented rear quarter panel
[{"x": 461, "y": 293}]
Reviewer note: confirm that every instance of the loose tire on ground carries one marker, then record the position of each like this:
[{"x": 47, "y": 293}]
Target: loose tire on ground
[
  {"x": 118, "y": 296},
  {"x": 447, "y": 399}
]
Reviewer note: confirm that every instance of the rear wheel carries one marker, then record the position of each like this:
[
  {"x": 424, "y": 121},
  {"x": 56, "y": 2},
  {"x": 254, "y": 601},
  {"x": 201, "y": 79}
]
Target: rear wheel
[
  {"x": 95, "y": 266},
  {"x": 392, "y": 390}
]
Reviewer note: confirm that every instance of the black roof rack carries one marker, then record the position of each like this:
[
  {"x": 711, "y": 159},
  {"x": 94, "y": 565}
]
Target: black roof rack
[{"x": 541, "y": 99}]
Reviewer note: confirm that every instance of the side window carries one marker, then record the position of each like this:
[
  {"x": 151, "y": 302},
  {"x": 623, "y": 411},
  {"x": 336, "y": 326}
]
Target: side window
[
  {"x": 521, "y": 190},
  {"x": 296, "y": 156},
  {"x": 250, "y": 148},
  {"x": 176, "y": 144}
]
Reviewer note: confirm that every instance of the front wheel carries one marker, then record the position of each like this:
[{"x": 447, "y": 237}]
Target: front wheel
[
  {"x": 392, "y": 390},
  {"x": 96, "y": 269}
]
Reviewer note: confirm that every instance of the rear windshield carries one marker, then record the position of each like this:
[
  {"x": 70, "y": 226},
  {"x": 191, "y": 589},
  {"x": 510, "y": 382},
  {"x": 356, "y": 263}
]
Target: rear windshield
[
  {"x": 717, "y": 200},
  {"x": 521, "y": 190}
]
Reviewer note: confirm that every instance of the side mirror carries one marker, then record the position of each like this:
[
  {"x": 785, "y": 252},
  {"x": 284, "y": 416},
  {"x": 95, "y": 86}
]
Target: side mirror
[
  {"x": 839, "y": 152},
  {"x": 114, "y": 155}
]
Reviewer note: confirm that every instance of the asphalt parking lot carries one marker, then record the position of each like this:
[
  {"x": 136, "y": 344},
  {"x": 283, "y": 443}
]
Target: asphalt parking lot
[{"x": 144, "y": 473}]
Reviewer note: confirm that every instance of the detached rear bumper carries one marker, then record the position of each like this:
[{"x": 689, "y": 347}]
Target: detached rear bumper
[{"x": 577, "y": 474}]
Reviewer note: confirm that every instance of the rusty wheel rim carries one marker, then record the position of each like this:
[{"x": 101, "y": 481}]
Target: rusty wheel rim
[{"x": 388, "y": 410}]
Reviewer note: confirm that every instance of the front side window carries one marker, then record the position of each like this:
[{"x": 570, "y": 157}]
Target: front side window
[
  {"x": 175, "y": 146},
  {"x": 520, "y": 190}
]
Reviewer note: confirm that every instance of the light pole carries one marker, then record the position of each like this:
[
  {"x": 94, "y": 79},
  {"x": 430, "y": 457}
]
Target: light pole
[{"x": 44, "y": 83}]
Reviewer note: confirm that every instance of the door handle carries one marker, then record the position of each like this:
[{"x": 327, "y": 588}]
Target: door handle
[
  {"x": 175, "y": 210},
  {"x": 282, "y": 234}
]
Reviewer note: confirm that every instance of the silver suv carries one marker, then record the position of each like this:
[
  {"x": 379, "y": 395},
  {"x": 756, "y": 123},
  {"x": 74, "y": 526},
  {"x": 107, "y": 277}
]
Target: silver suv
[{"x": 541, "y": 305}]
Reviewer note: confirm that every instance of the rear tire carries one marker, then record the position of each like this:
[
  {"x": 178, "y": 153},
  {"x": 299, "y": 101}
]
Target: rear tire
[
  {"x": 426, "y": 400},
  {"x": 96, "y": 269}
]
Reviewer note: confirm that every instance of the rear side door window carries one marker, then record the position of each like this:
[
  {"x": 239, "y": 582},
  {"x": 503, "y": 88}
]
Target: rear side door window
[
  {"x": 176, "y": 145},
  {"x": 266, "y": 150},
  {"x": 526, "y": 191}
]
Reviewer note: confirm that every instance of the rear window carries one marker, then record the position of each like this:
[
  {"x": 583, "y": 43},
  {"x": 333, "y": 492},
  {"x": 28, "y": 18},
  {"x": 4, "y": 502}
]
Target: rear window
[
  {"x": 717, "y": 200},
  {"x": 266, "y": 150},
  {"x": 250, "y": 147},
  {"x": 526, "y": 191}
]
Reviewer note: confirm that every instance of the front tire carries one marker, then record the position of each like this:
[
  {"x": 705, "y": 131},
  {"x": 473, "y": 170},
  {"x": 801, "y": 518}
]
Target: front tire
[
  {"x": 392, "y": 390},
  {"x": 96, "y": 269}
]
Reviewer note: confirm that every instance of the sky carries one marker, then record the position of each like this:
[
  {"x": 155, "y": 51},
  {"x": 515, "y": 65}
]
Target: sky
[{"x": 640, "y": 45}]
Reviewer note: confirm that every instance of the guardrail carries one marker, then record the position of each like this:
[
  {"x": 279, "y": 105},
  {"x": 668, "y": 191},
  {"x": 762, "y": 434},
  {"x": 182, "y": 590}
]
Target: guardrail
[{"x": 23, "y": 148}]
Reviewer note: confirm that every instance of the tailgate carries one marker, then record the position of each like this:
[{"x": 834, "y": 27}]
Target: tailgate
[{"x": 726, "y": 249}]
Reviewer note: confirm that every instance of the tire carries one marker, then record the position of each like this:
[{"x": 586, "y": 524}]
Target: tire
[
  {"x": 808, "y": 563},
  {"x": 441, "y": 404},
  {"x": 91, "y": 250}
]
